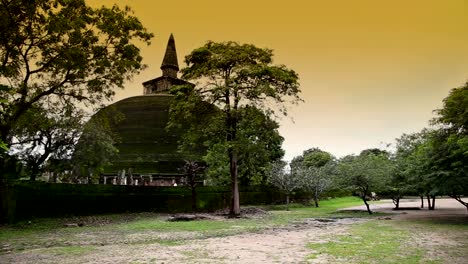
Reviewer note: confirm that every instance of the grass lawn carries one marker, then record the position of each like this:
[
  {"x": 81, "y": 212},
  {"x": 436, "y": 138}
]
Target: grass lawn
[
  {"x": 51, "y": 231},
  {"x": 373, "y": 241},
  {"x": 404, "y": 241}
]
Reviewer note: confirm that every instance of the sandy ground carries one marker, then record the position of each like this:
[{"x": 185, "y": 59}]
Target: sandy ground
[
  {"x": 280, "y": 245},
  {"x": 443, "y": 208}
]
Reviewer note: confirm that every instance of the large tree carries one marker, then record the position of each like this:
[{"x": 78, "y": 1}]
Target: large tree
[
  {"x": 412, "y": 174},
  {"x": 450, "y": 145},
  {"x": 56, "y": 53},
  {"x": 41, "y": 134},
  {"x": 234, "y": 76}
]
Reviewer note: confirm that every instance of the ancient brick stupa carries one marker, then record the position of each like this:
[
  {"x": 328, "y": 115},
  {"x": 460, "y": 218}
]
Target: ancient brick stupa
[{"x": 146, "y": 148}]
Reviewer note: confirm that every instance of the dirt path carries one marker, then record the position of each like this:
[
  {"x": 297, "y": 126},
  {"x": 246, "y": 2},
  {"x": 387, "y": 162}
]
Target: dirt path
[
  {"x": 275, "y": 245},
  {"x": 287, "y": 245},
  {"x": 444, "y": 208}
]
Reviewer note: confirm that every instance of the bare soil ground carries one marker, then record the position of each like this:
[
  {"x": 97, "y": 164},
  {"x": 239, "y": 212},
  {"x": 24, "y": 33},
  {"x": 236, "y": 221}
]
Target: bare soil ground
[{"x": 286, "y": 244}]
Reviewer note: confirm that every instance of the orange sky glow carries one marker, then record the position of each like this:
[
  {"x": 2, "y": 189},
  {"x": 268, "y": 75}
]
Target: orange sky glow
[{"x": 369, "y": 70}]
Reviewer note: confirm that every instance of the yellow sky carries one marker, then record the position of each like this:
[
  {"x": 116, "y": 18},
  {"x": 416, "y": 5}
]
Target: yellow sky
[{"x": 369, "y": 70}]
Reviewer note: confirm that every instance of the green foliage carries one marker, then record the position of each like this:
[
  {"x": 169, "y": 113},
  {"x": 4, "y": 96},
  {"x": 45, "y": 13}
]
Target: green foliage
[
  {"x": 450, "y": 145},
  {"x": 241, "y": 81},
  {"x": 448, "y": 156},
  {"x": 313, "y": 157},
  {"x": 3, "y": 148},
  {"x": 434, "y": 161},
  {"x": 454, "y": 113},
  {"x": 96, "y": 148},
  {"x": 412, "y": 164},
  {"x": 365, "y": 173},
  {"x": 258, "y": 142},
  {"x": 58, "y": 54},
  {"x": 46, "y": 133},
  {"x": 316, "y": 170}
]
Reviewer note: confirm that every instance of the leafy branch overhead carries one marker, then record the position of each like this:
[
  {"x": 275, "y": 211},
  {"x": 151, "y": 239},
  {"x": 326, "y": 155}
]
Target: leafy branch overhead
[
  {"x": 242, "y": 70},
  {"x": 62, "y": 52},
  {"x": 57, "y": 56}
]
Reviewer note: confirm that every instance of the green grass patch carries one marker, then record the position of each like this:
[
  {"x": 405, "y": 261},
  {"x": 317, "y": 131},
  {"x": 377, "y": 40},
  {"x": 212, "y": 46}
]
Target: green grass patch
[
  {"x": 163, "y": 225},
  {"x": 327, "y": 208},
  {"x": 371, "y": 242}
]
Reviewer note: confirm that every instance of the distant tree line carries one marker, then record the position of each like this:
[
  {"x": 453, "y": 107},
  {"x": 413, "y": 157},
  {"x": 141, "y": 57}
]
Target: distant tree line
[{"x": 427, "y": 164}]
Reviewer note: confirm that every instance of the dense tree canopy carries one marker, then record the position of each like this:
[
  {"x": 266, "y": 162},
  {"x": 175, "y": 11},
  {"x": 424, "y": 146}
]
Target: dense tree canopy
[
  {"x": 55, "y": 54},
  {"x": 258, "y": 143},
  {"x": 44, "y": 133},
  {"x": 412, "y": 170},
  {"x": 449, "y": 154},
  {"x": 454, "y": 113},
  {"x": 234, "y": 77}
]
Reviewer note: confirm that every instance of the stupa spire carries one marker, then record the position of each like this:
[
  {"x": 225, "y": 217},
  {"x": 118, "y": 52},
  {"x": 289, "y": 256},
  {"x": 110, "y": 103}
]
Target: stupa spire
[{"x": 170, "y": 66}]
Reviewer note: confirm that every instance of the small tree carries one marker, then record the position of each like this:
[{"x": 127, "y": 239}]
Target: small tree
[
  {"x": 316, "y": 180},
  {"x": 192, "y": 170},
  {"x": 315, "y": 168},
  {"x": 365, "y": 173},
  {"x": 284, "y": 180}
]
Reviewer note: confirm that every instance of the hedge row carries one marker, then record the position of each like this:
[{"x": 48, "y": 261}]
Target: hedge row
[{"x": 25, "y": 200}]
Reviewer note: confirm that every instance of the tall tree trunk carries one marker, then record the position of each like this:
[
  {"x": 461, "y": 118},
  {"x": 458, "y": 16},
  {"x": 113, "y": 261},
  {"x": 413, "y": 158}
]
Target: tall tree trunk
[
  {"x": 433, "y": 203},
  {"x": 422, "y": 201},
  {"x": 231, "y": 125},
  {"x": 287, "y": 202},
  {"x": 235, "y": 205}
]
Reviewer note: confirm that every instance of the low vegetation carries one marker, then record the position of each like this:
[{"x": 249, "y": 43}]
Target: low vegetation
[
  {"x": 370, "y": 238},
  {"x": 137, "y": 228},
  {"x": 368, "y": 242},
  {"x": 426, "y": 241}
]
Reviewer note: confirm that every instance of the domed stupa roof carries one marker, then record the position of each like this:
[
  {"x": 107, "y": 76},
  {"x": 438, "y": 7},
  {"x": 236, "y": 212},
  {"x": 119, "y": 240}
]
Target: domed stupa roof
[{"x": 145, "y": 144}]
